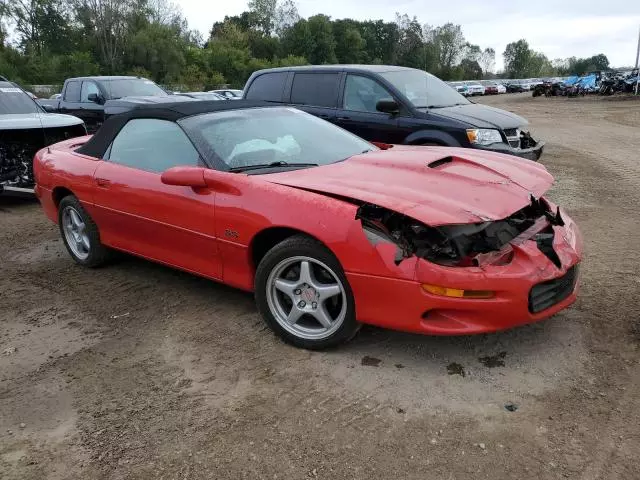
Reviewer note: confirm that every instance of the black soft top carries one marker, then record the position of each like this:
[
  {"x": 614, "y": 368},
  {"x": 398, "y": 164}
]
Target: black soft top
[{"x": 165, "y": 110}]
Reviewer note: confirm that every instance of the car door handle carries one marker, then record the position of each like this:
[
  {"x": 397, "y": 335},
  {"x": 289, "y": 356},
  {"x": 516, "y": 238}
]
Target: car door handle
[
  {"x": 103, "y": 182},
  {"x": 343, "y": 118},
  {"x": 322, "y": 115}
]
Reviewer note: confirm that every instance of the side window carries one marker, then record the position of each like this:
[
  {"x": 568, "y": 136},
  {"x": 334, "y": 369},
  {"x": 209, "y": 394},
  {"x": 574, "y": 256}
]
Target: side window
[
  {"x": 72, "y": 92},
  {"x": 315, "y": 89},
  {"x": 87, "y": 89},
  {"x": 152, "y": 145},
  {"x": 361, "y": 94},
  {"x": 268, "y": 86}
]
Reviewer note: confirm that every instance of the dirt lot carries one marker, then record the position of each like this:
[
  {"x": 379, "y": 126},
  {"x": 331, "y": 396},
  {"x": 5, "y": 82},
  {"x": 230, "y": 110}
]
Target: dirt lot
[{"x": 137, "y": 371}]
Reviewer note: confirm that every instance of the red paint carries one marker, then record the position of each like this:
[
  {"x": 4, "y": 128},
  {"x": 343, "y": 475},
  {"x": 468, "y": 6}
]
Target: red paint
[{"x": 210, "y": 228}]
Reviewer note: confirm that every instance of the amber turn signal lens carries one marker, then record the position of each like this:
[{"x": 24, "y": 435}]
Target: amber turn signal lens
[{"x": 456, "y": 292}]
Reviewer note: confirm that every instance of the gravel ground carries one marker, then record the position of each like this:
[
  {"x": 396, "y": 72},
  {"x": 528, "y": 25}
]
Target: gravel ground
[{"x": 136, "y": 371}]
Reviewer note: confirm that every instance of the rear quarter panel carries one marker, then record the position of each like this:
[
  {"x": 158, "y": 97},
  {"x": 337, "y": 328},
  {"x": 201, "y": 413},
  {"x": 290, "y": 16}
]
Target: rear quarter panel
[{"x": 59, "y": 166}]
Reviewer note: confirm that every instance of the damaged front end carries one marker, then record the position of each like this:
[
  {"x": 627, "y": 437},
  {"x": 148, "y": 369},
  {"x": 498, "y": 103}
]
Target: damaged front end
[
  {"x": 463, "y": 245},
  {"x": 17, "y": 149}
]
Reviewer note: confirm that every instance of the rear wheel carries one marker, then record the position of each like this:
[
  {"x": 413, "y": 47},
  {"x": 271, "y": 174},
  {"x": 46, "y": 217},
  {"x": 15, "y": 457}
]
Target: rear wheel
[
  {"x": 80, "y": 233},
  {"x": 303, "y": 294}
]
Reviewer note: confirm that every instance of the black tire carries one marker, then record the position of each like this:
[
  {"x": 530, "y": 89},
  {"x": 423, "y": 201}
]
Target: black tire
[
  {"x": 98, "y": 254},
  {"x": 302, "y": 245}
]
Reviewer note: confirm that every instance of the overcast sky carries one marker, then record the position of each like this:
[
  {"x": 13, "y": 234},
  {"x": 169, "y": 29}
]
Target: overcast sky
[{"x": 558, "y": 28}]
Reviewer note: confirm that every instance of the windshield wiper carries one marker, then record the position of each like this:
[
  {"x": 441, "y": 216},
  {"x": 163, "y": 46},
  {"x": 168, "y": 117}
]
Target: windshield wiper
[{"x": 270, "y": 165}]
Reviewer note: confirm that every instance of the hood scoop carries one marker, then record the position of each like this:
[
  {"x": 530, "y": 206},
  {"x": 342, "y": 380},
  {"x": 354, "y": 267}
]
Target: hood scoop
[{"x": 442, "y": 161}]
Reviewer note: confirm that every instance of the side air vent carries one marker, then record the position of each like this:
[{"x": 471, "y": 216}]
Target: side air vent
[{"x": 442, "y": 161}]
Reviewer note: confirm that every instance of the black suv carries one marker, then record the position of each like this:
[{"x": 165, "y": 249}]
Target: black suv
[{"x": 395, "y": 105}]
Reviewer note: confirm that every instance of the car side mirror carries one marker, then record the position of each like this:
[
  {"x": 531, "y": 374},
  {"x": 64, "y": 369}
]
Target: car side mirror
[
  {"x": 95, "y": 98},
  {"x": 184, "y": 176},
  {"x": 48, "y": 108},
  {"x": 387, "y": 105}
]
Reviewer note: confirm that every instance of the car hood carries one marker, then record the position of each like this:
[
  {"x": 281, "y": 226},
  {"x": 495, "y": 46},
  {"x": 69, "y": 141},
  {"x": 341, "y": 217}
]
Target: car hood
[
  {"x": 436, "y": 185},
  {"x": 37, "y": 120},
  {"x": 481, "y": 116}
]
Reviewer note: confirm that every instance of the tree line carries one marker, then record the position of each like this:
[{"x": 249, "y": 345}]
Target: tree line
[{"x": 55, "y": 39}]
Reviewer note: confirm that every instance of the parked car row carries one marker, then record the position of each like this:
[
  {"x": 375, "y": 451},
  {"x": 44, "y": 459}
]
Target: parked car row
[{"x": 497, "y": 86}]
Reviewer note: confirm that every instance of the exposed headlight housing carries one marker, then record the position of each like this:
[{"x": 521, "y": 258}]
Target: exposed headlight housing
[{"x": 483, "y": 136}]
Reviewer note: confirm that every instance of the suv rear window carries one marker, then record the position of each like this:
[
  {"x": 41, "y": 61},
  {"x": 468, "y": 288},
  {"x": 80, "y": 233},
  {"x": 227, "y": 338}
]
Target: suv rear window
[
  {"x": 315, "y": 89},
  {"x": 268, "y": 87}
]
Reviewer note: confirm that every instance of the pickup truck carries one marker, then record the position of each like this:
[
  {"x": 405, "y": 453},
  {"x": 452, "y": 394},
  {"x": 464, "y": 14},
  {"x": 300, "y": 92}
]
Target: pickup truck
[{"x": 84, "y": 97}]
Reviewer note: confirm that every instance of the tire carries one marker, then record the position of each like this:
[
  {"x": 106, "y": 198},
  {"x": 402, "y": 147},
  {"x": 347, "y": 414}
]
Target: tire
[
  {"x": 300, "y": 302},
  {"x": 83, "y": 243}
]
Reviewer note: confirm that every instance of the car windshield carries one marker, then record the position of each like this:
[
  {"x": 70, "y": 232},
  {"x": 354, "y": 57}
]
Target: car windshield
[
  {"x": 271, "y": 137},
  {"x": 423, "y": 89},
  {"x": 14, "y": 101},
  {"x": 134, "y": 87}
]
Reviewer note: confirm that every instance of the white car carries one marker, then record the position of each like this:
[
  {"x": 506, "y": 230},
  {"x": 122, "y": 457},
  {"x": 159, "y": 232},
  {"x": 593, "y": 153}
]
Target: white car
[
  {"x": 460, "y": 87},
  {"x": 526, "y": 84},
  {"x": 475, "y": 88},
  {"x": 501, "y": 88}
]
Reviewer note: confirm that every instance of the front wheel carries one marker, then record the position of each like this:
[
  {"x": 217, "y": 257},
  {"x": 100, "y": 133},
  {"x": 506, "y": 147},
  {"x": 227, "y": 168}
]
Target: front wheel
[{"x": 303, "y": 294}]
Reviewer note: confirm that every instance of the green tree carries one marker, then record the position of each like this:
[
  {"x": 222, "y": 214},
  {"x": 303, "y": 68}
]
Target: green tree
[
  {"x": 41, "y": 25},
  {"x": 265, "y": 14},
  {"x": 312, "y": 39},
  {"x": 350, "y": 46},
  {"x": 411, "y": 52},
  {"x": 487, "y": 60},
  {"x": 323, "y": 43},
  {"x": 470, "y": 69},
  {"x": 517, "y": 56},
  {"x": 449, "y": 45},
  {"x": 381, "y": 41},
  {"x": 158, "y": 49}
]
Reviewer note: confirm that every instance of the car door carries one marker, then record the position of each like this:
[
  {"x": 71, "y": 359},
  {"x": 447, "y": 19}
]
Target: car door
[
  {"x": 70, "y": 103},
  {"x": 136, "y": 212},
  {"x": 92, "y": 111},
  {"x": 316, "y": 93},
  {"x": 358, "y": 113}
]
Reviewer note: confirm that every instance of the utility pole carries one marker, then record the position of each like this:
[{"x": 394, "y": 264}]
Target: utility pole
[
  {"x": 638, "y": 50},
  {"x": 637, "y": 58}
]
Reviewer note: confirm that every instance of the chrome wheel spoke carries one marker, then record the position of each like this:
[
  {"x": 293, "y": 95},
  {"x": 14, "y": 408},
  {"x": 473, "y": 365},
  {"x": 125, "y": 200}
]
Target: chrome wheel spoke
[
  {"x": 327, "y": 291},
  {"x": 294, "y": 315},
  {"x": 285, "y": 286},
  {"x": 306, "y": 275},
  {"x": 322, "y": 316},
  {"x": 75, "y": 218},
  {"x": 85, "y": 242}
]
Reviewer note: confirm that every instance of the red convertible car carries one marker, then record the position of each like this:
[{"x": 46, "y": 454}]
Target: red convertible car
[{"x": 328, "y": 230}]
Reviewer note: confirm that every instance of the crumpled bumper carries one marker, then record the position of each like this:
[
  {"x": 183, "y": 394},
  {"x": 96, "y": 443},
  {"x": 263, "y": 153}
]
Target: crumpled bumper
[
  {"x": 533, "y": 153},
  {"x": 404, "y": 305}
]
